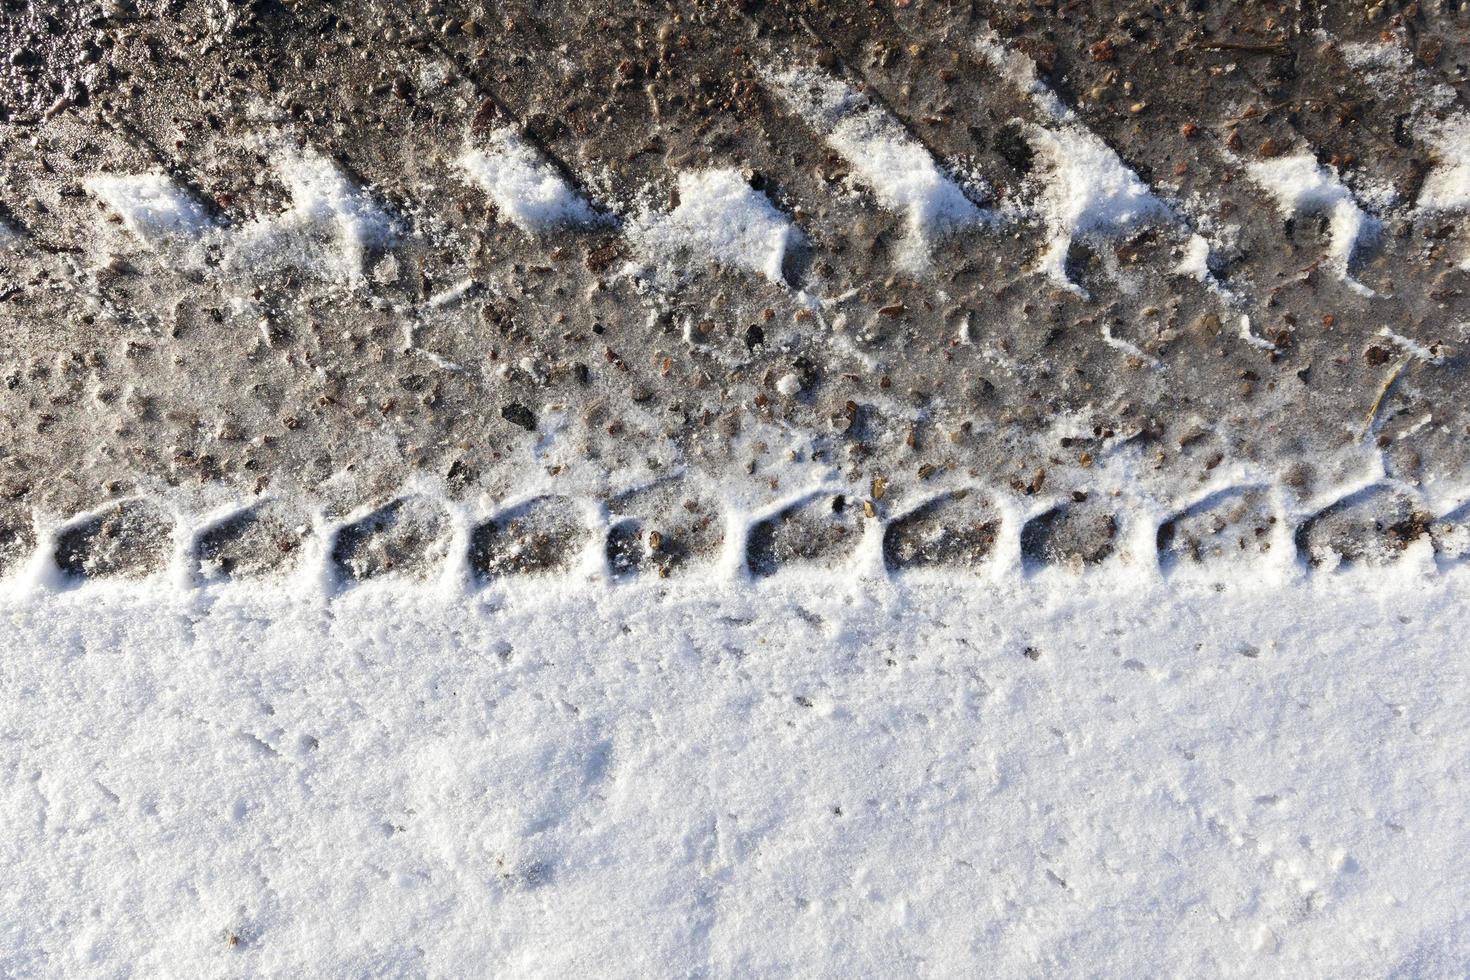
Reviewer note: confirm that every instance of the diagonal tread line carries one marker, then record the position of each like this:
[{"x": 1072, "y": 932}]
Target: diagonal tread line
[
  {"x": 871, "y": 92},
  {"x": 486, "y": 94}
]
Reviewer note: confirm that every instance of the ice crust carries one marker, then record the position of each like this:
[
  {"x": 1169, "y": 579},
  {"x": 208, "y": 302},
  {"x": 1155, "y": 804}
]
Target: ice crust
[
  {"x": 900, "y": 172},
  {"x": 719, "y": 218},
  {"x": 829, "y": 776},
  {"x": 526, "y": 188}
]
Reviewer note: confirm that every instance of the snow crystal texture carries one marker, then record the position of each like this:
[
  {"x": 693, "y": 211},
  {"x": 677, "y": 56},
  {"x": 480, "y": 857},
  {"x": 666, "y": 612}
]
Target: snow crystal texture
[
  {"x": 901, "y": 173},
  {"x": 1089, "y": 193},
  {"x": 829, "y": 777},
  {"x": 1301, "y": 185},
  {"x": 152, "y": 207},
  {"x": 527, "y": 190},
  {"x": 720, "y": 218},
  {"x": 329, "y": 229}
]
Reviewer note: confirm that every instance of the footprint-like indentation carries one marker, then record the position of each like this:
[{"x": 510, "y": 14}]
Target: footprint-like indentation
[
  {"x": 821, "y": 533},
  {"x": 956, "y": 530},
  {"x": 17, "y": 539},
  {"x": 538, "y": 537},
  {"x": 130, "y": 539},
  {"x": 408, "y": 537},
  {"x": 264, "y": 540},
  {"x": 661, "y": 529},
  {"x": 1074, "y": 534},
  {"x": 1230, "y": 525},
  {"x": 1370, "y": 527}
]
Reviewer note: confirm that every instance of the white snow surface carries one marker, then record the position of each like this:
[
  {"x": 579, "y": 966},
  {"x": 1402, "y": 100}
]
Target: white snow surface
[
  {"x": 328, "y": 231},
  {"x": 525, "y": 187},
  {"x": 1301, "y": 185},
  {"x": 818, "y": 775},
  {"x": 720, "y": 218},
  {"x": 152, "y": 207},
  {"x": 1019, "y": 71},
  {"x": 897, "y": 168}
]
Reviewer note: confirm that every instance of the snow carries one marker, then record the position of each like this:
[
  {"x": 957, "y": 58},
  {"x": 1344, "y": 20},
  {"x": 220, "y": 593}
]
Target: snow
[
  {"x": 1428, "y": 354},
  {"x": 1302, "y": 186},
  {"x": 900, "y": 172},
  {"x": 1089, "y": 194},
  {"x": 152, "y": 207},
  {"x": 1446, "y": 188},
  {"x": 1019, "y": 71},
  {"x": 821, "y": 775},
  {"x": 1381, "y": 62},
  {"x": 525, "y": 187},
  {"x": 329, "y": 230},
  {"x": 9, "y": 237},
  {"x": 722, "y": 219},
  {"x": 1195, "y": 262}
]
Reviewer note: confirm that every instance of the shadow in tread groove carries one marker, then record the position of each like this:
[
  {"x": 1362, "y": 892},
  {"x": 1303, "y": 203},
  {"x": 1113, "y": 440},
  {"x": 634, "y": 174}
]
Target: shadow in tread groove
[
  {"x": 1233, "y": 523},
  {"x": 132, "y": 539},
  {"x": 538, "y": 537},
  {"x": 409, "y": 536},
  {"x": 1370, "y": 527},
  {"x": 661, "y": 529},
  {"x": 1072, "y": 535},
  {"x": 264, "y": 540},
  {"x": 821, "y": 532},
  {"x": 958, "y": 529}
]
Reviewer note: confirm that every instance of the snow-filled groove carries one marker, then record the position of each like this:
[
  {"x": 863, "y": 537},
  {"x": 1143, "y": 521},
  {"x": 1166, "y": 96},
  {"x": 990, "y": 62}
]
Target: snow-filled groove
[
  {"x": 959, "y": 530},
  {"x": 1086, "y": 194}
]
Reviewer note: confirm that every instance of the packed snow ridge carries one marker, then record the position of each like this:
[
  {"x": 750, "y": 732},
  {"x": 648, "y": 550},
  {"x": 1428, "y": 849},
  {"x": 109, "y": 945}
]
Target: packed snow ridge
[
  {"x": 722, "y": 218},
  {"x": 900, "y": 172},
  {"x": 327, "y": 209},
  {"x": 328, "y": 230},
  {"x": 1446, "y": 188},
  {"x": 1302, "y": 186},
  {"x": 527, "y": 190},
  {"x": 152, "y": 207},
  {"x": 1089, "y": 193}
]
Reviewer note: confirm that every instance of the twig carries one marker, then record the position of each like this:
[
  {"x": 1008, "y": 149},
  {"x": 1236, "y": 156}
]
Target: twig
[
  {"x": 1278, "y": 48},
  {"x": 1382, "y": 394}
]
